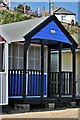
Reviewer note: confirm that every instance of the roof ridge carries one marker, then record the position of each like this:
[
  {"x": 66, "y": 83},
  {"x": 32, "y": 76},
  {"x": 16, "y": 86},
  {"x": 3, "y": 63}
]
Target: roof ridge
[{"x": 63, "y": 9}]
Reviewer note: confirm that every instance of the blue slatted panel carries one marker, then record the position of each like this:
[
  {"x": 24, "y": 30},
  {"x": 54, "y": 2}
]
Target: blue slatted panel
[{"x": 36, "y": 84}]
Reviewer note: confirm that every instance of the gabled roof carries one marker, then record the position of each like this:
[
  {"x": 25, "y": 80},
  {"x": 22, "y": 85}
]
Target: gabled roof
[
  {"x": 14, "y": 32},
  {"x": 50, "y": 31},
  {"x": 64, "y": 11}
]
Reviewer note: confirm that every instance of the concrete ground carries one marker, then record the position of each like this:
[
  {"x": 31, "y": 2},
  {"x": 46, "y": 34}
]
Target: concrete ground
[{"x": 65, "y": 113}]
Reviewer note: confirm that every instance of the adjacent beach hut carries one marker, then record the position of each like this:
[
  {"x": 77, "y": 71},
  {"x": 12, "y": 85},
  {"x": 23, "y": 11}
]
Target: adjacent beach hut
[{"x": 30, "y": 79}]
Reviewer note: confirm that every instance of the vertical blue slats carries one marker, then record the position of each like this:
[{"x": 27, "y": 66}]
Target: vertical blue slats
[
  {"x": 28, "y": 84},
  {"x": 18, "y": 87},
  {"x": 21, "y": 84},
  {"x": 10, "y": 84},
  {"x": 15, "y": 83},
  {"x": 34, "y": 85},
  {"x": 45, "y": 84},
  {"x": 18, "y": 75}
]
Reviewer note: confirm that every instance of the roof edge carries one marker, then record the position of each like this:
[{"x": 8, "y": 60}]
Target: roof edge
[
  {"x": 71, "y": 13},
  {"x": 44, "y": 23},
  {"x": 67, "y": 34}
]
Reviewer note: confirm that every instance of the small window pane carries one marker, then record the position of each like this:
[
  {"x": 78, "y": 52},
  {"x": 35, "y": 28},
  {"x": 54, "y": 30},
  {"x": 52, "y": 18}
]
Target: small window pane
[
  {"x": 54, "y": 62},
  {"x": 10, "y": 63},
  {"x": 37, "y": 64},
  {"x": 37, "y": 52},
  {"x": 15, "y": 50},
  {"x": 21, "y": 50},
  {"x": 10, "y": 49},
  {"x": 45, "y": 66},
  {"x": 0, "y": 57},
  {"x": 31, "y": 52},
  {"x": 15, "y": 63},
  {"x": 45, "y": 53},
  {"x": 31, "y": 64},
  {"x": 20, "y": 63}
]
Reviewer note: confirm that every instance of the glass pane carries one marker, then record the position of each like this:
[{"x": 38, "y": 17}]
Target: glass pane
[
  {"x": 15, "y": 50},
  {"x": 3, "y": 62},
  {"x": 54, "y": 62},
  {"x": 45, "y": 51},
  {"x": 15, "y": 63},
  {"x": 0, "y": 57},
  {"x": 31, "y": 52},
  {"x": 21, "y": 50},
  {"x": 45, "y": 66},
  {"x": 37, "y": 64},
  {"x": 31, "y": 64},
  {"x": 10, "y": 63},
  {"x": 10, "y": 49},
  {"x": 20, "y": 63},
  {"x": 37, "y": 52}
]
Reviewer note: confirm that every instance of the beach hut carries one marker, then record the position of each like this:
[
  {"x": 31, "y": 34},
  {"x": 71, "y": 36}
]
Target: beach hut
[{"x": 30, "y": 45}]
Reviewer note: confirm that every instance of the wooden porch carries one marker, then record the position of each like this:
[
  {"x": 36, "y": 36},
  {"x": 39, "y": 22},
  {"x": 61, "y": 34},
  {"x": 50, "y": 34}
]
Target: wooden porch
[{"x": 33, "y": 91}]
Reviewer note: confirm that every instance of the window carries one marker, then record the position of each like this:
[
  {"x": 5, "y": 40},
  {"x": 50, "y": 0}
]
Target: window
[
  {"x": 63, "y": 17},
  {"x": 16, "y": 56},
  {"x": 54, "y": 62},
  {"x": 34, "y": 58},
  {"x": 2, "y": 54}
]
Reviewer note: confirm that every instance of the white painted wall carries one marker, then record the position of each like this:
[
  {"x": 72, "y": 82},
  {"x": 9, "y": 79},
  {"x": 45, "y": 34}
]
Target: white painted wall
[
  {"x": 4, "y": 79},
  {"x": 67, "y": 18},
  {"x": 66, "y": 61},
  {"x": 78, "y": 72},
  {"x": 67, "y": 66}
]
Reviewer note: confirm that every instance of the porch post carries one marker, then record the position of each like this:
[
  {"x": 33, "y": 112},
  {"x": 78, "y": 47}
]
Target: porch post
[
  {"x": 49, "y": 70},
  {"x": 74, "y": 70},
  {"x": 26, "y": 45},
  {"x": 42, "y": 70},
  {"x": 60, "y": 73},
  {"x": 74, "y": 73},
  {"x": 24, "y": 75},
  {"x": 60, "y": 65},
  {"x": 6, "y": 69}
]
